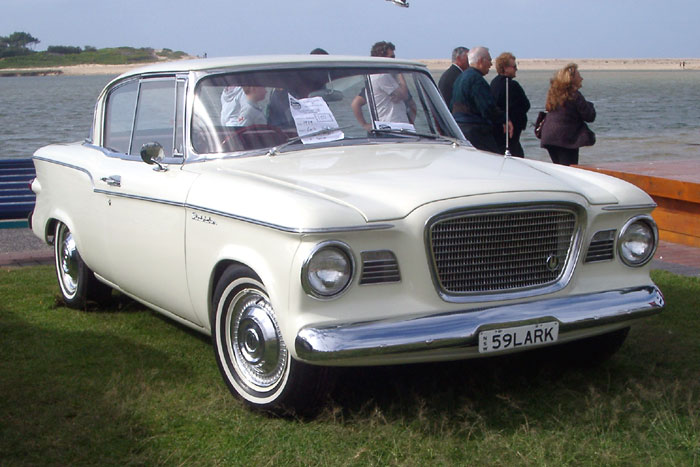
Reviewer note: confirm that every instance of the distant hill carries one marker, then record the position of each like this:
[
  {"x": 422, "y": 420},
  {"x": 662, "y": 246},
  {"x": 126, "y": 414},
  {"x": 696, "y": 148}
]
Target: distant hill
[{"x": 67, "y": 56}]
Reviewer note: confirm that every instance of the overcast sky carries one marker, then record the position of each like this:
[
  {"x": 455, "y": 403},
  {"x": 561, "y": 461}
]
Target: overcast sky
[{"x": 427, "y": 29}]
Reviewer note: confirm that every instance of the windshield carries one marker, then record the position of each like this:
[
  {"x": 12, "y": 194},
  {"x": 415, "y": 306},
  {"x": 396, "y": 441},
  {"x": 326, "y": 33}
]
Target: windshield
[{"x": 290, "y": 109}]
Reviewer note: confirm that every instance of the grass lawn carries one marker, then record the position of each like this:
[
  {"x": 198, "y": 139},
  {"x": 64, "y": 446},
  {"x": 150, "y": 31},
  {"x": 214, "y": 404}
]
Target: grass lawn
[
  {"x": 107, "y": 56},
  {"x": 124, "y": 386}
]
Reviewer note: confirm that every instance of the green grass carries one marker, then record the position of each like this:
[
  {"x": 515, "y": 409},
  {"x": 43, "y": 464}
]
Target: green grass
[
  {"x": 124, "y": 386},
  {"x": 108, "y": 56}
]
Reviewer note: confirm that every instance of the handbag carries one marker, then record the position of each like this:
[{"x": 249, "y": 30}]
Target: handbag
[
  {"x": 539, "y": 123},
  {"x": 585, "y": 136}
]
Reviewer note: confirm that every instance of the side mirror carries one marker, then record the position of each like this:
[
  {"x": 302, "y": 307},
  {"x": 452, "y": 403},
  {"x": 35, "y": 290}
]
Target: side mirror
[{"x": 153, "y": 153}]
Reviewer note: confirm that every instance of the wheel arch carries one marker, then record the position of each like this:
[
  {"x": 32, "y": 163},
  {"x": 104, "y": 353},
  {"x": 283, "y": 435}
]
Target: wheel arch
[
  {"x": 50, "y": 227},
  {"x": 216, "y": 274}
]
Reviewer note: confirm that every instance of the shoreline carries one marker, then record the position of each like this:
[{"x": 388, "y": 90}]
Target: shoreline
[
  {"x": 591, "y": 64},
  {"x": 540, "y": 64}
]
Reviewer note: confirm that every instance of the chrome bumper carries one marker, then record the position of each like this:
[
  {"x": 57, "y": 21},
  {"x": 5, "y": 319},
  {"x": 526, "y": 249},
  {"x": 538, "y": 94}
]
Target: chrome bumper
[{"x": 454, "y": 335}]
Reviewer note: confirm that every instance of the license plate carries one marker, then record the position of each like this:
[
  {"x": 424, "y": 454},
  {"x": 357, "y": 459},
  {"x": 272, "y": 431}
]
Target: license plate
[{"x": 496, "y": 340}]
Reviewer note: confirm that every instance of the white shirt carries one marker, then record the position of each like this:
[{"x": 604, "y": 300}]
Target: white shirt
[
  {"x": 387, "y": 111},
  {"x": 237, "y": 110}
]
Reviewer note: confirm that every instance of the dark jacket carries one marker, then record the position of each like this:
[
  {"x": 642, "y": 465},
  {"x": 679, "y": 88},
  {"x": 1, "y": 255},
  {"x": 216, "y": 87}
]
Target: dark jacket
[
  {"x": 447, "y": 80},
  {"x": 519, "y": 103},
  {"x": 565, "y": 126},
  {"x": 472, "y": 101}
]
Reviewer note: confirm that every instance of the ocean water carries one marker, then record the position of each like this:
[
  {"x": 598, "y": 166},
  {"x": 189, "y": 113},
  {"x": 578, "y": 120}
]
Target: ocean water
[{"x": 642, "y": 115}]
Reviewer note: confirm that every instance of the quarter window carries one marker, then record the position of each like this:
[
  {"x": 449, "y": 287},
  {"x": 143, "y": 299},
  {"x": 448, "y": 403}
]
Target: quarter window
[{"x": 119, "y": 117}]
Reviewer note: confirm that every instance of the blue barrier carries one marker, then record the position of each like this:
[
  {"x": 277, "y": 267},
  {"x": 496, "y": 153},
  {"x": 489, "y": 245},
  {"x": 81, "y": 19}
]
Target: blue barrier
[{"x": 16, "y": 197}]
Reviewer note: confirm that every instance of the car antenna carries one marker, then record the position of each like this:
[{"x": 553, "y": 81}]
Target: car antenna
[{"x": 507, "y": 109}]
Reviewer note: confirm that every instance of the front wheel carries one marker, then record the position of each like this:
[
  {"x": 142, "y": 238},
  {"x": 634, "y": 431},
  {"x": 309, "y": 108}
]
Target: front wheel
[
  {"x": 250, "y": 351},
  {"x": 75, "y": 280}
]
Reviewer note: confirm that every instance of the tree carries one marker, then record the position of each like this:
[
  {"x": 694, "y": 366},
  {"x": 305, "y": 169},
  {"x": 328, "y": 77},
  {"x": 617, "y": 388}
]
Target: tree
[{"x": 18, "y": 40}]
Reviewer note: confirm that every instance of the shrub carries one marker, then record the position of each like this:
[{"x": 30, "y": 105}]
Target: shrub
[
  {"x": 14, "y": 52},
  {"x": 63, "y": 49}
]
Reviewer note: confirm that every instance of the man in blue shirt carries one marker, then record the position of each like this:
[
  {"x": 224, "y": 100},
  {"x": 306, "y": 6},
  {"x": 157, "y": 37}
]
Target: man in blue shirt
[{"x": 473, "y": 105}]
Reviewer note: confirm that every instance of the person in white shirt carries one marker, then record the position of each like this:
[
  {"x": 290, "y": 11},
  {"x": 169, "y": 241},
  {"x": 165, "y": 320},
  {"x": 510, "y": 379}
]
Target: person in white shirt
[
  {"x": 240, "y": 106},
  {"x": 390, "y": 92}
]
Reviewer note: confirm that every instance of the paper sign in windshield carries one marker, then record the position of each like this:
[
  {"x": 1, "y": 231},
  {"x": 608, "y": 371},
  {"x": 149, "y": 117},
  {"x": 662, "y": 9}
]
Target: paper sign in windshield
[
  {"x": 393, "y": 126},
  {"x": 312, "y": 115}
]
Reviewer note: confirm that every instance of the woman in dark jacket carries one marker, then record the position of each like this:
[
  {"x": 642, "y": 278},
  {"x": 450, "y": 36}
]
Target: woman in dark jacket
[
  {"x": 564, "y": 130},
  {"x": 518, "y": 103}
]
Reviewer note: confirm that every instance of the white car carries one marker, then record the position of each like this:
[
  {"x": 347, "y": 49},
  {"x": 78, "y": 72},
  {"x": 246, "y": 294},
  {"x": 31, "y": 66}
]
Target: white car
[{"x": 318, "y": 211}]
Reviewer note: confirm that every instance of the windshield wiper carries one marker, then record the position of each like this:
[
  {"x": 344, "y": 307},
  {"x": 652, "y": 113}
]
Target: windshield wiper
[
  {"x": 406, "y": 132},
  {"x": 276, "y": 149}
]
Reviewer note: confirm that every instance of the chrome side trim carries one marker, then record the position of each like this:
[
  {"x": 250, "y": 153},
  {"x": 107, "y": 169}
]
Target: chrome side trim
[
  {"x": 456, "y": 333},
  {"x": 630, "y": 207},
  {"x": 299, "y": 230},
  {"x": 70, "y": 166},
  {"x": 116, "y": 194}
]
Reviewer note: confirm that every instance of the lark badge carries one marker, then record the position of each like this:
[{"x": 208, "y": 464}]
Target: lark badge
[
  {"x": 206, "y": 219},
  {"x": 552, "y": 262}
]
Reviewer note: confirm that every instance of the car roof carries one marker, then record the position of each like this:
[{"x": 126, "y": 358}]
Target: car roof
[{"x": 204, "y": 64}]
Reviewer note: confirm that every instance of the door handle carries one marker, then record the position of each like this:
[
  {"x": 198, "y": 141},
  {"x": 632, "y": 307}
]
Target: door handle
[{"x": 113, "y": 180}]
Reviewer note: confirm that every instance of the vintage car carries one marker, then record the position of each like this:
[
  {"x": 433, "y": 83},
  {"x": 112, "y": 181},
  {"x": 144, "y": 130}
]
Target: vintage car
[{"x": 318, "y": 211}]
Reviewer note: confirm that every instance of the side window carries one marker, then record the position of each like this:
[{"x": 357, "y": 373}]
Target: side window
[
  {"x": 179, "y": 143},
  {"x": 119, "y": 117},
  {"x": 422, "y": 113},
  {"x": 155, "y": 115}
]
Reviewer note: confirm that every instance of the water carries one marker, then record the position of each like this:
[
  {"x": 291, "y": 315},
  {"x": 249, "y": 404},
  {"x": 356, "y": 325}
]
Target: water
[
  {"x": 39, "y": 110},
  {"x": 642, "y": 115}
]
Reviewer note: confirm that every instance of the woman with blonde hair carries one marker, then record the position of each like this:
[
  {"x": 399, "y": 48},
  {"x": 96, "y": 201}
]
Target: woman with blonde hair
[
  {"x": 564, "y": 130},
  {"x": 518, "y": 103}
]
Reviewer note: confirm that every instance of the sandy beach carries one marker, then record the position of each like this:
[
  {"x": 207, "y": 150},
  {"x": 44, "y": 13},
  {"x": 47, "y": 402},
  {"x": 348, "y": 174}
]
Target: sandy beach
[
  {"x": 588, "y": 64},
  {"x": 632, "y": 64}
]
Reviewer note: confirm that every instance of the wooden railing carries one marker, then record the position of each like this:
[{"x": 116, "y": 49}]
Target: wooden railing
[{"x": 674, "y": 186}]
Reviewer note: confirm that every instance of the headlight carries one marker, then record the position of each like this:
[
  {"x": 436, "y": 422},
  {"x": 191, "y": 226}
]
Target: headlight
[
  {"x": 638, "y": 240},
  {"x": 328, "y": 270}
]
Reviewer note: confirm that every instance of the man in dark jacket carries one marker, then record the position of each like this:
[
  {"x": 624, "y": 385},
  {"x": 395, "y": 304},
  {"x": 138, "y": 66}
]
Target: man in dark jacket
[
  {"x": 518, "y": 103},
  {"x": 460, "y": 62},
  {"x": 473, "y": 105}
]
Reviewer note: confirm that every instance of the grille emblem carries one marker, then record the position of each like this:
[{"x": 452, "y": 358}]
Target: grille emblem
[{"x": 552, "y": 262}]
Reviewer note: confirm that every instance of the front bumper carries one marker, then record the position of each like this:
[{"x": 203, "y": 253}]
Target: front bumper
[{"x": 454, "y": 335}]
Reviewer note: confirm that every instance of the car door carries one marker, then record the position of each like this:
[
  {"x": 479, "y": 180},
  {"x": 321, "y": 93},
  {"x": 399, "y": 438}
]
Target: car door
[{"x": 143, "y": 206}]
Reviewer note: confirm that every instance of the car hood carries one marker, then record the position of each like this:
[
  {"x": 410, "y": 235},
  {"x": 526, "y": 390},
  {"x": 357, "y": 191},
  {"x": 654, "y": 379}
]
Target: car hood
[{"x": 388, "y": 181}]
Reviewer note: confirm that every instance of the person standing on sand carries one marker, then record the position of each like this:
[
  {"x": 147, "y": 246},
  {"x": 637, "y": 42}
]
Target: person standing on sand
[
  {"x": 564, "y": 130},
  {"x": 460, "y": 62},
  {"x": 473, "y": 105},
  {"x": 518, "y": 103}
]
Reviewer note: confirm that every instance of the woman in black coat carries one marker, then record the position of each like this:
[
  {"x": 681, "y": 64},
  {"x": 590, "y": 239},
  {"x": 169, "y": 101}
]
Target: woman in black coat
[
  {"x": 564, "y": 130},
  {"x": 518, "y": 103}
]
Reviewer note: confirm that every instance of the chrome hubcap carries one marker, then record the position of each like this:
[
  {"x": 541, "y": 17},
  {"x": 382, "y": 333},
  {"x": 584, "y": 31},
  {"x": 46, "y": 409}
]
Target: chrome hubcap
[
  {"x": 67, "y": 261},
  {"x": 257, "y": 347}
]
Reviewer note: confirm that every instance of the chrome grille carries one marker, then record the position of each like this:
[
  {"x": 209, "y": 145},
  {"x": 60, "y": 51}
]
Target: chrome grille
[
  {"x": 602, "y": 246},
  {"x": 379, "y": 267},
  {"x": 501, "y": 250}
]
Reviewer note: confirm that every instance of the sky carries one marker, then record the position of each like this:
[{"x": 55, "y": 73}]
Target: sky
[{"x": 427, "y": 29}]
